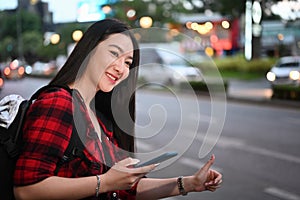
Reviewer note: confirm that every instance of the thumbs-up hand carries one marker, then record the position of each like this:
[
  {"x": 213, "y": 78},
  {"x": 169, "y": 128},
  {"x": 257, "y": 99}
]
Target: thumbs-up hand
[{"x": 205, "y": 178}]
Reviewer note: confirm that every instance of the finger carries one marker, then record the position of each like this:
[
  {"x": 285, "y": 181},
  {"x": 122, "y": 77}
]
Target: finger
[
  {"x": 212, "y": 185},
  {"x": 212, "y": 188},
  {"x": 209, "y": 183},
  {"x": 218, "y": 182},
  {"x": 218, "y": 179},
  {"x": 128, "y": 161},
  {"x": 216, "y": 176},
  {"x": 146, "y": 169}
]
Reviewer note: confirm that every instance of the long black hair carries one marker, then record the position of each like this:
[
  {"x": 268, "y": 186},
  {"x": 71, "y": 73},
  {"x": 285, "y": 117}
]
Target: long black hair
[{"x": 123, "y": 96}]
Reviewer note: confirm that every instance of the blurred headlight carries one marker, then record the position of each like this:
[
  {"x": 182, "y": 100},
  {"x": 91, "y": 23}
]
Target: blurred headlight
[
  {"x": 294, "y": 75},
  {"x": 28, "y": 70},
  {"x": 271, "y": 76}
]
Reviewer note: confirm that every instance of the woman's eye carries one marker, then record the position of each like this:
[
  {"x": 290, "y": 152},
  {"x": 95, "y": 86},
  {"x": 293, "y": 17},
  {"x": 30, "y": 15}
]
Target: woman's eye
[
  {"x": 128, "y": 64},
  {"x": 114, "y": 53}
]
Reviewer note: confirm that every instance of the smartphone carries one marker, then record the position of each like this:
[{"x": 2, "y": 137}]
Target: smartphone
[{"x": 158, "y": 159}]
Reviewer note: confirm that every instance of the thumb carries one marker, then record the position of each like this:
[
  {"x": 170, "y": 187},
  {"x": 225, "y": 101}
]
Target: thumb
[
  {"x": 209, "y": 163},
  {"x": 128, "y": 161}
]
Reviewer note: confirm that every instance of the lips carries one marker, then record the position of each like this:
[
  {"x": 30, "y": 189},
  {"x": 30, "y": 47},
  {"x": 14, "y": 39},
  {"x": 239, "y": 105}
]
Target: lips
[{"x": 111, "y": 76}]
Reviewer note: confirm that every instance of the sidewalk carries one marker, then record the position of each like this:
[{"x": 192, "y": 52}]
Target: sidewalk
[{"x": 256, "y": 91}]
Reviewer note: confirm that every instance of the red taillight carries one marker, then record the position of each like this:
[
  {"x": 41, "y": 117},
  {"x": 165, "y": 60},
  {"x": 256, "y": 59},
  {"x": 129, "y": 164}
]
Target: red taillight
[
  {"x": 21, "y": 71},
  {"x": 6, "y": 71},
  {"x": 1, "y": 82}
]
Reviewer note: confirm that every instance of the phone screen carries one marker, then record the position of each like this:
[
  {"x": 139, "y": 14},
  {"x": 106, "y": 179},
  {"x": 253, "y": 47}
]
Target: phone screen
[{"x": 158, "y": 159}]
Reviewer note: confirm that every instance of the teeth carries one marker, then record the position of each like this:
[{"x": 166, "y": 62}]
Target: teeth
[{"x": 112, "y": 77}]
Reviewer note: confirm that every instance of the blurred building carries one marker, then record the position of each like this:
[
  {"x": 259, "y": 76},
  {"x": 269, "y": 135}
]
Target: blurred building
[
  {"x": 214, "y": 34},
  {"x": 225, "y": 36},
  {"x": 40, "y": 8},
  {"x": 280, "y": 38}
]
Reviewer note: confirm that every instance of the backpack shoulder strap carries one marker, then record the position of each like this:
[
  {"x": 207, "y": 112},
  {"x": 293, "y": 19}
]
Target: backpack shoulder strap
[
  {"x": 76, "y": 147},
  {"x": 48, "y": 88}
]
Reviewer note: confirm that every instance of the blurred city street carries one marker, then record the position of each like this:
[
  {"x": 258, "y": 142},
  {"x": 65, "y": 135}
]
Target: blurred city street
[
  {"x": 259, "y": 90},
  {"x": 257, "y": 151},
  {"x": 251, "y": 47},
  {"x": 256, "y": 91}
]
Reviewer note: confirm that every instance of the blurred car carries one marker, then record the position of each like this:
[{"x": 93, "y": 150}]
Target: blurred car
[
  {"x": 285, "y": 71},
  {"x": 14, "y": 69},
  {"x": 43, "y": 69},
  {"x": 164, "y": 67}
]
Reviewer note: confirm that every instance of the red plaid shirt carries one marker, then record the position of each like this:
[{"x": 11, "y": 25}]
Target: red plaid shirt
[{"x": 47, "y": 132}]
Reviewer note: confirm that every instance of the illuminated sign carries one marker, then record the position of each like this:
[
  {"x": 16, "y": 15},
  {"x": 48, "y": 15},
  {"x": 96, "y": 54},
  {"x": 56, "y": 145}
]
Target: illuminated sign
[
  {"x": 287, "y": 10},
  {"x": 256, "y": 12},
  {"x": 256, "y": 17},
  {"x": 90, "y": 10}
]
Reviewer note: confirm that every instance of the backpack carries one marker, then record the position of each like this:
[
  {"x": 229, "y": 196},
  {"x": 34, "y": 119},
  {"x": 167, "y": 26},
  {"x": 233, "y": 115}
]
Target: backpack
[{"x": 13, "y": 110}]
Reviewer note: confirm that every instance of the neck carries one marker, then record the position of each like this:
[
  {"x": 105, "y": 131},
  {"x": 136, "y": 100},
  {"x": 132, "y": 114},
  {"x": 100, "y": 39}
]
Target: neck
[{"x": 86, "y": 93}]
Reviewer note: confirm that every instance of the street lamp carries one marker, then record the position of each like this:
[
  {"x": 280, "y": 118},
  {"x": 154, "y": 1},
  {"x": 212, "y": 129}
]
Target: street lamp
[
  {"x": 33, "y": 2},
  {"x": 76, "y": 35},
  {"x": 55, "y": 38},
  {"x": 106, "y": 9},
  {"x": 19, "y": 31},
  {"x": 146, "y": 22},
  {"x": 131, "y": 14}
]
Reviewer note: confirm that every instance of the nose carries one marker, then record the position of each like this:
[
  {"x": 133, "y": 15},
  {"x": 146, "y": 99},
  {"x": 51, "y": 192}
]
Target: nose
[{"x": 119, "y": 65}]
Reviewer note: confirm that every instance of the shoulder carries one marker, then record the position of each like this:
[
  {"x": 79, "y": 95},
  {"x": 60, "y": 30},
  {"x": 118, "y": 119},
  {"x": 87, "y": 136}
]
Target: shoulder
[
  {"x": 52, "y": 108},
  {"x": 53, "y": 98},
  {"x": 55, "y": 92}
]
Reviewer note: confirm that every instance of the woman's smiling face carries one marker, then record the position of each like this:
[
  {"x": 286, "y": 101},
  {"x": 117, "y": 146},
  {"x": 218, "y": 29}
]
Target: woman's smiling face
[{"x": 110, "y": 62}]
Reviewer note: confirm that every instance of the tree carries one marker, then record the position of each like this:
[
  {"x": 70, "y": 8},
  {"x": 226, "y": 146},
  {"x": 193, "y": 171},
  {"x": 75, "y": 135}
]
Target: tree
[
  {"x": 34, "y": 44},
  {"x": 160, "y": 11},
  {"x": 8, "y": 23},
  {"x": 30, "y": 25},
  {"x": 8, "y": 48}
]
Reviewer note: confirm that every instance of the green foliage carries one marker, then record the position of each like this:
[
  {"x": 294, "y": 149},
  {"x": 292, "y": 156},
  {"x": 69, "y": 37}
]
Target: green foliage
[
  {"x": 8, "y": 47},
  {"x": 28, "y": 22},
  {"x": 67, "y": 30},
  {"x": 8, "y": 25},
  {"x": 30, "y": 34},
  {"x": 31, "y": 37},
  {"x": 199, "y": 86},
  {"x": 32, "y": 43},
  {"x": 160, "y": 11},
  {"x": 240, "y": 64},
  {"x": 288, "y": 92},
  {"x": 229, "y": 7},
  {"x": 236, "y": 67},
  {"x": 50, "y": 52}
]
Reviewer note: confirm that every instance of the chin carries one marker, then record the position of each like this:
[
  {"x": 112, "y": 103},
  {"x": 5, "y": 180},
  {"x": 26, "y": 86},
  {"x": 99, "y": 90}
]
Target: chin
[{"x": 106, "y": 89}]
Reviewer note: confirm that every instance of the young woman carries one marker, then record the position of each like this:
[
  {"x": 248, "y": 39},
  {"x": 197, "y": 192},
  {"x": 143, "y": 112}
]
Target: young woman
[{"x": 106, "y": 55}]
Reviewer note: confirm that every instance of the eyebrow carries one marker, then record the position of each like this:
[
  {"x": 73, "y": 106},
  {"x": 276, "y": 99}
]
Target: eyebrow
[{"x": 119, "y": 48}]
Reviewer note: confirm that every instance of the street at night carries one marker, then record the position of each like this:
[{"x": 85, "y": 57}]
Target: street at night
[{"x": 257, "y": 151}]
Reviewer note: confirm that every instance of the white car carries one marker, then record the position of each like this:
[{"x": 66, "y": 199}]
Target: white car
[
  {"x": 285, "y": 71},
  {"x": 43, "y": 69},
  {"x": 163, "y": 67}
]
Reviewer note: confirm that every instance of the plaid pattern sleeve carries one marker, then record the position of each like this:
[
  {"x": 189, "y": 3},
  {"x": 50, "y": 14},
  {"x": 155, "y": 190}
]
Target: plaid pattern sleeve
[{"x": 47, "y": 132}]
